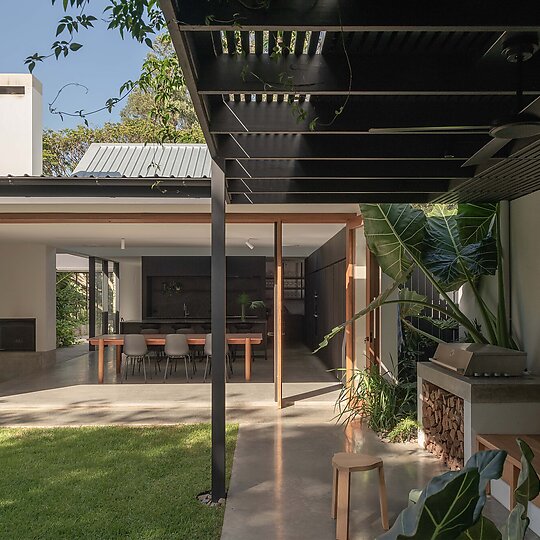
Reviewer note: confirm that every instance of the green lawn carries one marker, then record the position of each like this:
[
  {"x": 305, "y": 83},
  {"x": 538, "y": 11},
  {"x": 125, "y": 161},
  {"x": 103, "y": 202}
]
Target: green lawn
[{"x": 108, "y": 482}]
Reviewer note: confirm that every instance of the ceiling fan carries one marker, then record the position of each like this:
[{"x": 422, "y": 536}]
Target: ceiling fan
[{"x": 523, "y": 123}]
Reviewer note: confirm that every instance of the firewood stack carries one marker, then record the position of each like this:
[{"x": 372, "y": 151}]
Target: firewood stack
[{"x": 442, "y": 420}]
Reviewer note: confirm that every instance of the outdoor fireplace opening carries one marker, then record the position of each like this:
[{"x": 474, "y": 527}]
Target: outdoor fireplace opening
[{"x": 18, "y": 335}]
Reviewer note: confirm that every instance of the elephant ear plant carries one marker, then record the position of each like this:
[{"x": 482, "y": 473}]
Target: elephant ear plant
[
  {"x": 451, "y": 246},
  {"x": 450, "y": 507}
]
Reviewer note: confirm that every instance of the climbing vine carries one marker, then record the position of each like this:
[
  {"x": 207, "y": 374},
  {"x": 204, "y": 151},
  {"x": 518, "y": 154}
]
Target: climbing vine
[{"x": 143, "y": 20}]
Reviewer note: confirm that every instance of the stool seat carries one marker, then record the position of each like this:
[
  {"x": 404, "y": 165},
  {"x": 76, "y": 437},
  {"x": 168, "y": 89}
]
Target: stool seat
[
  {"x": 356, "y": 462},
  {"x": 343, "y": 464}
]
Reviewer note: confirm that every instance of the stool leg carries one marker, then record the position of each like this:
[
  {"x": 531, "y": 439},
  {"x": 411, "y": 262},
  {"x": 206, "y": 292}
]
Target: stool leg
[
  {"x": 334, "y": 492},
  {"x": 382, "y": 499},
  {"x": 343, "y": 498}
]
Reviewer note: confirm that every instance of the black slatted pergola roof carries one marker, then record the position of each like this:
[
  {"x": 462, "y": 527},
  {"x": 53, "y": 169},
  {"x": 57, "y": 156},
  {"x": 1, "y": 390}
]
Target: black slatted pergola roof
[{"x": 266, "y": 84}]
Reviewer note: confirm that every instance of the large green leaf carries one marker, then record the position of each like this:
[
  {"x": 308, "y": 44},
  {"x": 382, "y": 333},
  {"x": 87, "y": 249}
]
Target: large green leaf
[
  {"x": 489, "y": 465},
  {"x": 516, "y": 524},
  {"x": 527, "y": 489},
  {"x": 528, "y": 486},
  {"x": 445, "y": 509},
  {"x": 483, "y": 529},
  {"x": 393, "y": 233},
  {"x": 475, "y": 221},
  {"x": 409, "y": 308},
  {"x": 449, "y": 505},
  {"x": 450, "y": 261}
]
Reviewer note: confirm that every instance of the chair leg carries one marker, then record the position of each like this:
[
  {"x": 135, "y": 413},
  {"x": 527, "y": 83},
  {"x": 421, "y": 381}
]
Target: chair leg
[
  {"x": 343, "y": 498},
  {"x": 333, "y": 512},
  {"x": 382, "y": 499},
  {"x": 166, "y": 366},
  {"x": 143, "y": 367},
  {"x": 185, "y": 365}
]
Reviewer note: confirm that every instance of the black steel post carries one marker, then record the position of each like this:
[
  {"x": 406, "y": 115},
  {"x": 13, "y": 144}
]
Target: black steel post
[{"x": 218, "y": 295}]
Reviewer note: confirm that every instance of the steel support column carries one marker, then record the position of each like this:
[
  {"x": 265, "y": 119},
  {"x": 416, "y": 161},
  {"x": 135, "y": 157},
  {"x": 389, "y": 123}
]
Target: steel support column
[
  {"x": 278, "y": 313},
  {"x": 218, "y": 295}
]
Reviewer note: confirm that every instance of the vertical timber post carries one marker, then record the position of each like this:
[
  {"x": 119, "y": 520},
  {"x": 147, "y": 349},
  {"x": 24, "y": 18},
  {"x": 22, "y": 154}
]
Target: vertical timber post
[
  {"x": 349, "y": 302},
  {"x": 278, "y": 313},
  {"x": 218, "y": 296}
]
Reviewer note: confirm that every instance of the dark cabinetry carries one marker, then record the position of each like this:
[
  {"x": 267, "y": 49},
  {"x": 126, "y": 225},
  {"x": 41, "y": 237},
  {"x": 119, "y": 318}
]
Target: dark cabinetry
[
  {"x": 179, "y": 287},
  {"x": 325, "y": 298}
]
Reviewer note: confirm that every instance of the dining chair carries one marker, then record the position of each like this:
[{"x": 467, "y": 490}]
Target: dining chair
[
  {"x": 208, "y": 354},
  {"x": 154, "y": 351},
  {"x": 136, "y": 351},
  {"x": 177, "y": 348}
]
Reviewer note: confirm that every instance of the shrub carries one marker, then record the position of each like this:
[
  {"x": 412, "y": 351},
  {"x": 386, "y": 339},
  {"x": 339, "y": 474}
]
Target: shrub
[{"x": 377, "y": 398}]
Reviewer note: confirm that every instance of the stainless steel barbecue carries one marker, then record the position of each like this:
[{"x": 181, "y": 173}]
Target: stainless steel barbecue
[{"x": 477, "y": 360}]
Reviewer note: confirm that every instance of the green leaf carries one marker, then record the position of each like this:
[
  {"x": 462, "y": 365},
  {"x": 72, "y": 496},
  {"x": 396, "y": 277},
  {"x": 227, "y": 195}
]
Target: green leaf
[
  {"x": 450, "y": 261},
  {"x": 475, "y": 221},
  {"x": 394, "y": 232},
  {"x": 528, "y": 486},
  {"x": 75, "y": 46},
  {"x": 489, "y": 465},
  {"x": 411, "y": 309},
  {"x": 60, "y": 29},
  {"x": 516, "y": 524},
  {"x": 444, "y": 510},
  {"x": 483, "y": 529}
]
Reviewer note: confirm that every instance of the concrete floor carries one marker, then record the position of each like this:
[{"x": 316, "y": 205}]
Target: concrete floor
[
  {"x": 281, "y": 478},
  {"x": 68, "y": 393}
]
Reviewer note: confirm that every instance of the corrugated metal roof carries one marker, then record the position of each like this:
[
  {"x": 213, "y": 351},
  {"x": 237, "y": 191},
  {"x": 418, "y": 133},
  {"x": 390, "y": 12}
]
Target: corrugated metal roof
[{"x": 146, "y": 160}]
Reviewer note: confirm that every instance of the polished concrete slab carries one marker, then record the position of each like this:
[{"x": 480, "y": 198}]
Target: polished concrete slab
[
  {"x": 68, "y": 392},
  {"x": 282, "y": 479}
]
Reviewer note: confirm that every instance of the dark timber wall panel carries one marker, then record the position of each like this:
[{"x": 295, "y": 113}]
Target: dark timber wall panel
[{"x": 325, "y": 297}]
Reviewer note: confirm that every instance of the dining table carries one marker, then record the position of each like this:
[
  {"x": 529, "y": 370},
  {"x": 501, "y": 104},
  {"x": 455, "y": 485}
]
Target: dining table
[{"x": 117, "y": 340}]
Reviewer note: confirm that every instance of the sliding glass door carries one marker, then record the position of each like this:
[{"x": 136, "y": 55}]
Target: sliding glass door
[{"x": 104, "y": 307}]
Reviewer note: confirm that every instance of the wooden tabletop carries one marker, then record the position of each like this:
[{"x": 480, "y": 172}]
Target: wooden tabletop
[{"x": 193, "y": 339}]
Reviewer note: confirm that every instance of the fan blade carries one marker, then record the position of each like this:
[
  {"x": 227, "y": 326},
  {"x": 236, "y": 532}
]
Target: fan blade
[
  {"x": 532, "y": 108},
  {"x": 432, "y": 129},
  {"x": 486, "y": 152}
]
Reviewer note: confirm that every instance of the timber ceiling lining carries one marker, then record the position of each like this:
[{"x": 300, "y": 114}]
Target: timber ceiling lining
[{"x": 269, "y": 84}]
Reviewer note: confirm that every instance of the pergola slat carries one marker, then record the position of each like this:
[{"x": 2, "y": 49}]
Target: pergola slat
[
  {"x": 271, "y": 186},
  {"x": 329, "y": 75},
  {"x": 348, "y": 147},
  {"x": 359, "y": 117},
  {"x": 346, "y": 169},
  {"x": 377, "y": 15}
]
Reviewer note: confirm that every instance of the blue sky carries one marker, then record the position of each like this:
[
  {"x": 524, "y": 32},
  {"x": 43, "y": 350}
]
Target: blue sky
[{"x": 103, "y": 64}]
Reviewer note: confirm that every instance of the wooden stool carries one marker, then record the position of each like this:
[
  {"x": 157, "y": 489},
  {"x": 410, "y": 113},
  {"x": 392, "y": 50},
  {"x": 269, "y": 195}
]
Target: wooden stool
[{"x": 343, "y": 465}]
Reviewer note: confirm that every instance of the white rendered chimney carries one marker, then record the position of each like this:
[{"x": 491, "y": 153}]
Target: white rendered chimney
[{"x": 21, "y": 125}]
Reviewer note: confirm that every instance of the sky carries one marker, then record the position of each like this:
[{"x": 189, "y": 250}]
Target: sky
[{"x": 103, "y": 64}]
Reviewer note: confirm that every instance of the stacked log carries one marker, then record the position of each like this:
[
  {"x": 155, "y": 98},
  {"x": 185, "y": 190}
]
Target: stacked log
[{"x": 442, "y": 421}]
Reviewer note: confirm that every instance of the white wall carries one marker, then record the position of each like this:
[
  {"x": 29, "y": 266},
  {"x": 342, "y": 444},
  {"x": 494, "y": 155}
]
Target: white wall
[
  {"x": 525, "y": 275},
  {"x": 21, "y": 126},
  {"x": 28, "y": 288},
  {"x": 521, "y": 255},
  {"x": 360, "y": 297},
  {"x": 131, "y": 288},
  {"x": 389, "y": 330}
]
